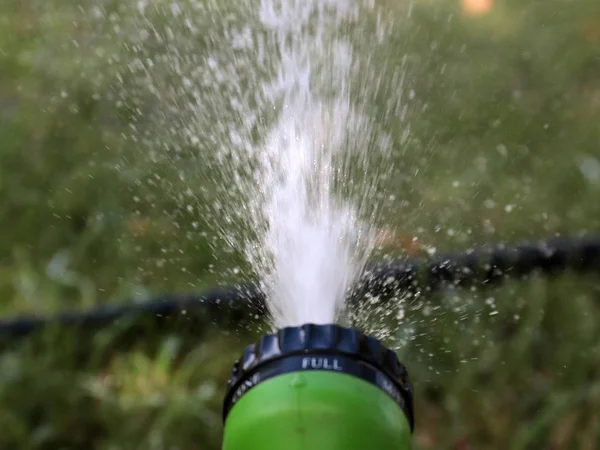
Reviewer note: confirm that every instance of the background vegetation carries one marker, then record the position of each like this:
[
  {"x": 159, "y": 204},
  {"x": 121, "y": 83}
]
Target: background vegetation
[{"x": 504, "y": 145}]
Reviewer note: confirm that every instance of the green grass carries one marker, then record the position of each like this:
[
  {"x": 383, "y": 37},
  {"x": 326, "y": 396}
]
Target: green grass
[{"x": 504, "y": 145}]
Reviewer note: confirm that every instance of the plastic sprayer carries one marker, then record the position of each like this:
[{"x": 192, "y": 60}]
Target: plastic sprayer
[{"x": 318, "y": 387}]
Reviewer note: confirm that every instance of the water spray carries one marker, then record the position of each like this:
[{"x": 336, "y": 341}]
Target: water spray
[{"x": 318, "y": 387}]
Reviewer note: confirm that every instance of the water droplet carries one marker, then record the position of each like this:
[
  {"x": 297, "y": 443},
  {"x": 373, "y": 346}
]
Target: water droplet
[{"x": 590, "y": 169}]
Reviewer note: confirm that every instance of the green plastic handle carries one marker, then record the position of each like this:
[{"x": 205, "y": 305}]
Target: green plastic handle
[{"x": 316, "y": 410}]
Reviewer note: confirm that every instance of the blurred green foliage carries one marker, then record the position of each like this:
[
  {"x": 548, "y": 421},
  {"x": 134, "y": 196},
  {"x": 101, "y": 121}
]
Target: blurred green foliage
[{"x": 503, "y": 145}]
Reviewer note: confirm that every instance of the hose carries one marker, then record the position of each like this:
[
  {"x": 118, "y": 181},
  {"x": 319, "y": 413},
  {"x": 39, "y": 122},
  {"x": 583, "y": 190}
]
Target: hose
[{"x": 485, "y": 266}]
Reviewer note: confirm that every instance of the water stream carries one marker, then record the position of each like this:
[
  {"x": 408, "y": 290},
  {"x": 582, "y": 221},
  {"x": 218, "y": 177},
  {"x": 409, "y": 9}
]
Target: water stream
[{"x": 313, "y": 242}]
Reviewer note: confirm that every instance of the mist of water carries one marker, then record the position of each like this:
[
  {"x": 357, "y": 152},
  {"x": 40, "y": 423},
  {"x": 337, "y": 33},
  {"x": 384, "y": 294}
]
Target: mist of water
[{"x": 272, "y": 100}]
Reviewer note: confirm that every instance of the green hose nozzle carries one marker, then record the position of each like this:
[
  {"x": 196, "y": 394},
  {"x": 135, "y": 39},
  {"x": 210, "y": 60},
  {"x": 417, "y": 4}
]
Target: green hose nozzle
[{"x": 318, "y": 387}]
